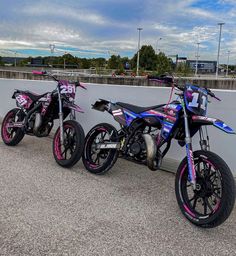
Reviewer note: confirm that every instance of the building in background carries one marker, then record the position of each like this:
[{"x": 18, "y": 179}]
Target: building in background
[
  {"x": 10, "y": 61},
  {"x": 204, "y": 66},
  {"x": 180, "y": 60}
]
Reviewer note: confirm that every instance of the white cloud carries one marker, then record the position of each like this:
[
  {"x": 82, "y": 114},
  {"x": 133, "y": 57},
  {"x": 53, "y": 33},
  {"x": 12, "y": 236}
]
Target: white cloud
[
  {"x": 178, "y": 22},
  {"x": 63, "y": 11}
]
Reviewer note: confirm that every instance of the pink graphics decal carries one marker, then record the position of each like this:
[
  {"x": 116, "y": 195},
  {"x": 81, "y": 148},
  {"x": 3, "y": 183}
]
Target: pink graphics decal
[
  {"x": 24, "y": 101},
  {"x": 46, "y": 102},
  {"x": 160, "y": 114},
  {"x": 203, "y": 118}
]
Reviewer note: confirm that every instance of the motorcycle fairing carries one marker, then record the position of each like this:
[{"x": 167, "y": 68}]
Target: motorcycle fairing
[
  {"x": 196, "y": 99},
  {"x": 213, "y": 121}
]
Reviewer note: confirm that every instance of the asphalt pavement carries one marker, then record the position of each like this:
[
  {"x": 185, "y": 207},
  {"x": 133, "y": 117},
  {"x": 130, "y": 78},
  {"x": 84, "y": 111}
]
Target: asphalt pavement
[{"x": 48, "y": 210}]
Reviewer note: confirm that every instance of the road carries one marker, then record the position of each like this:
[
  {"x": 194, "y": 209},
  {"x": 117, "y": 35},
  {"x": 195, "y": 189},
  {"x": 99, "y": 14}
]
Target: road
[{"x": 48, "y": 210}]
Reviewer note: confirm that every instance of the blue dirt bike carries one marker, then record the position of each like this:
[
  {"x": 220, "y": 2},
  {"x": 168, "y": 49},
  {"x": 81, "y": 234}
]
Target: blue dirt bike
[{"x": 204, "y": 185}]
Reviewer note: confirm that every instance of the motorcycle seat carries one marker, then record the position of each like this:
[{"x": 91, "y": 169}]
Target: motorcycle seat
[
  {"x": 137, "y": 109},
  {"x": 33, "y": 96}
]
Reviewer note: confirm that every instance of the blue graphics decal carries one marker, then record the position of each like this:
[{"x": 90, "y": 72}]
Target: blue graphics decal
[
  {"x": 192, "y": 172},
  {"x": 130, "y": 116},
  {"x": 221, "y": 125}
]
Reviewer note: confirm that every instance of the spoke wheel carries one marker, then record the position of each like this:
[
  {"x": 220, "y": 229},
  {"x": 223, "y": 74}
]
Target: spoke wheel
[
  {"x": 211, "y": 203},
  {"x": 205, "y": 200},
  {"x": 96, "y": 160},
  {"x": 12, "y": 136},
  {"x": 68, "y": 153}
]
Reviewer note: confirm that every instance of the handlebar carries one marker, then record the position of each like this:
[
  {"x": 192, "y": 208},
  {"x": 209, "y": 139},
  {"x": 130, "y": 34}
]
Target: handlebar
[
  {"x": 45, "y": 73},
  {"x": 170, "y": 80}
]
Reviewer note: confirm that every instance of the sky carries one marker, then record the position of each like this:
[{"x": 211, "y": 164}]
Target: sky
[{"x": 104, "y": 27}]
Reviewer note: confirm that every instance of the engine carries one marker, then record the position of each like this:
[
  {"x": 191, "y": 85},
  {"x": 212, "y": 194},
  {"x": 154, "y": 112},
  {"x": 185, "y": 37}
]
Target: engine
[
  {"x": 37, "y": 126},
  {"x": 137, "y": 147}
]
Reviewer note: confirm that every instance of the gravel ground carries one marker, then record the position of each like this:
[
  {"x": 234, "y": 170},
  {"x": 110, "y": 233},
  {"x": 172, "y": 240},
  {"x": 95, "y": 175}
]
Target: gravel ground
[{"x": 48, "y": 210}]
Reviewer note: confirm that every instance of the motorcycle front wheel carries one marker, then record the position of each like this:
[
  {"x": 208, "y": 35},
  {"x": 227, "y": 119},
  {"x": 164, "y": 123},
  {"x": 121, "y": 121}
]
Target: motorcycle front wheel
[
  {"x": 211, "y": 203},
  {"x": 69, "y": 153}
]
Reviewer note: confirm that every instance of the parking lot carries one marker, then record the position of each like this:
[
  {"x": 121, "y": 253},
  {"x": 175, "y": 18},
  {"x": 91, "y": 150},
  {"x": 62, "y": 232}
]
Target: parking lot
[{"x": 48, "y": 210}]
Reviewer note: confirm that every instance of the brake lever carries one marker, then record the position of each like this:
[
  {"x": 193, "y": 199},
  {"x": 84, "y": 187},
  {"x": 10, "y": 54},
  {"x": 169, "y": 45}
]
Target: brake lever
[
  {"x": 217, "y": 98},
  {"x": 82, "y": 86},
  {"x": 179, "y": 93}
]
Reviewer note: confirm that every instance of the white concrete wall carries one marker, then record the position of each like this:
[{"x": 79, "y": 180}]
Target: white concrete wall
[{"x": 221, "y": 143}]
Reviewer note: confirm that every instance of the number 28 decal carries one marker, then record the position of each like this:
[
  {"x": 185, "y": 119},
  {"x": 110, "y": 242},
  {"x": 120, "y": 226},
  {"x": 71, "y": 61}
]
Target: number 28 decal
[
  {"x": 195, "y": 101},
  {"x": 67, "y": 89}
]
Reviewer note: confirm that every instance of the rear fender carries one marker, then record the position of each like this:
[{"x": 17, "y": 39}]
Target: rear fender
[
  {"x": 213, "y": 121},
  {"x": 101, "y": 105}
]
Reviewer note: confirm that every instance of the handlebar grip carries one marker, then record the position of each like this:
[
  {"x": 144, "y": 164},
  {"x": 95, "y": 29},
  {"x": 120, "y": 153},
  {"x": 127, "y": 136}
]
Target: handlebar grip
[{"x": 35, "y": 72}]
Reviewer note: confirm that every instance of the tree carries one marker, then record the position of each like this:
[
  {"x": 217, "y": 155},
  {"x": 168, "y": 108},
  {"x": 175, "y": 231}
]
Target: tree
[
  {"x": 183, "y": 69},
  {"x": 163, "y": 64},
  {"x": 1, "y": 61},
  {"x": 114, "y": 62},
  {"x": 25, "y": 62},
  {"x": 147, "y": 58},
  {"x": 84, "y": 63}
]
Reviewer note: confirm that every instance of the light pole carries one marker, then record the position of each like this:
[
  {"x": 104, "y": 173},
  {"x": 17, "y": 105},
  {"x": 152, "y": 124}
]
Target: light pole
[
  {"x": 157, "y": 44},
  {"x": 139, "y": 30},
  {"x": 15, "y": 59},
  {"x": 227, "y": 68},
  {"x": 197, "y": 56},
  {"x": 64, "y": 59},
  {"x": 52, "y": 49},
  {"x": 218, "y": 55}
]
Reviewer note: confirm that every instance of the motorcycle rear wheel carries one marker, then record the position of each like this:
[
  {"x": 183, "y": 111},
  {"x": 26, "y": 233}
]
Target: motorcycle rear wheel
[
  {"x": 99, "y": 161},
  {"x": 12, "y": 136}
]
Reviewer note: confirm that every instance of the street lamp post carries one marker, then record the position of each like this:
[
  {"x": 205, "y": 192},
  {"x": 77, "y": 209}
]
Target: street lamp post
[
  {"x": 15, "y": 59},
  {"x": 139, "y": 30},
  {"x": 64, "y": 60},
  {"x": 157, "y": 44},
  {"x": 197, "y": 56},
  {"x": 227, "y": 68},
  {"x": 52, "y": 49},
  {"x": 218, "y": 55}
]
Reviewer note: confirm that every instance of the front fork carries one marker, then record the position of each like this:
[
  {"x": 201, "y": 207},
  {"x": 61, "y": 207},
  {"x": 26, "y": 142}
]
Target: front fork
[
  {"x": 189, "y": 150},
  {"x": 61, "y": 118}
]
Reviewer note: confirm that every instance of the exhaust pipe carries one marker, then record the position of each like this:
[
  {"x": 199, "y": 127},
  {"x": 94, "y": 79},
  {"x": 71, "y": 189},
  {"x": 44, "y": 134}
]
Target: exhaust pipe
[
  {"x": 38, "y": 122},
  {"x": 153, "y": 159}
]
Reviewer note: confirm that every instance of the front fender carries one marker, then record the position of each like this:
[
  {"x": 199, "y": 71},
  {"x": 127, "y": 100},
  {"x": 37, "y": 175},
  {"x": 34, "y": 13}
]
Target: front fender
[
  {"x": 213, "y": 121},
  {"x": 73, "y": 106}
]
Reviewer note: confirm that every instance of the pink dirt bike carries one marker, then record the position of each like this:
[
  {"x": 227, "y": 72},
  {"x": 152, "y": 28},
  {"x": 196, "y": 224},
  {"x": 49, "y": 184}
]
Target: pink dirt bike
[{"x": 35, "y": 115}]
